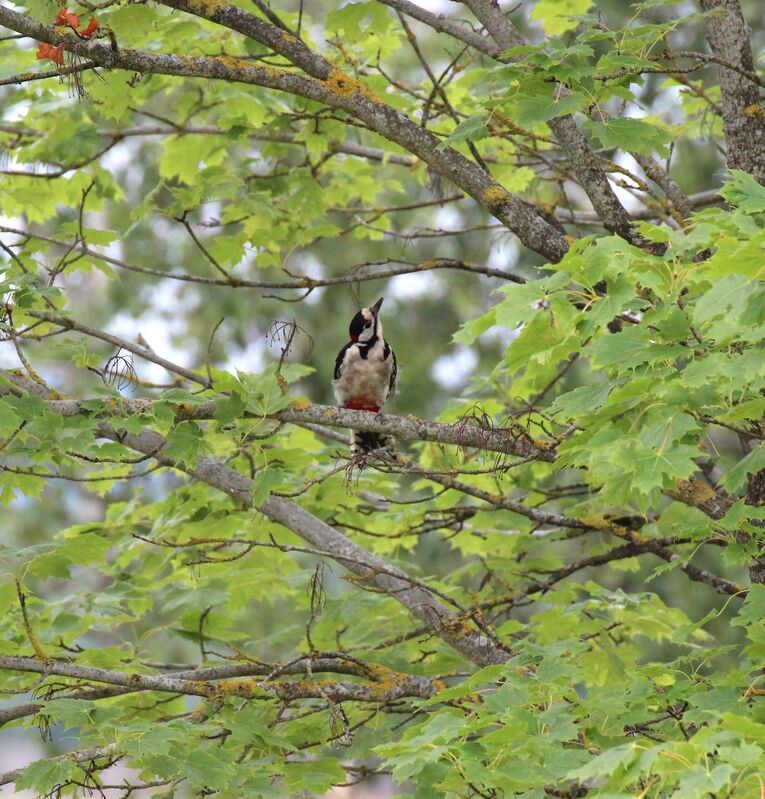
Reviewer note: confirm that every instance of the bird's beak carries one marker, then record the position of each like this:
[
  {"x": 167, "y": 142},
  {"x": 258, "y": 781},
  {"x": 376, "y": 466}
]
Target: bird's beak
[{"x": 376, "y": 307}]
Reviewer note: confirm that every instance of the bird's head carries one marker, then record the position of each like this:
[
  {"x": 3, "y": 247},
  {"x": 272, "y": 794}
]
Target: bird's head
[{"x": 366, "y": 324}]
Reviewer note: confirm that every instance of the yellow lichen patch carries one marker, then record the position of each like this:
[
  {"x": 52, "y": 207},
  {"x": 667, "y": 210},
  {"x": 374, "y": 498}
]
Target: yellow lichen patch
[
  {"x": 381, "y": 690},
  {"x": 596, "y": 522},
  {"x": 300, "y": 404},
  {"x": 56, "y": 395},
  {"x": 288, "y": 37},
  {"x": 200, "y": 688},
  {"x": 430, "y": 264},
  {"x": 754, "y": 110},
  {"x": 232, "y": 63},
  {"x": 244, "y": 688},
  {"x": 297, "y": 688},
  {"x": 495, "y": 196},
  {"x": 183, "y": 410},
  {"x": 569, "y": 240},
  {"x": 345, "y": 86},
  {"x": 525, "y": 671},
  {"x": 378, "y": 672},
  {"x": 611, "y": 527},
  {"x": 694, "y": 491},
  {"x": 208, "y": 7},
  {"x": 341, "y": 84},
  {"x": 458, "y": 628}
]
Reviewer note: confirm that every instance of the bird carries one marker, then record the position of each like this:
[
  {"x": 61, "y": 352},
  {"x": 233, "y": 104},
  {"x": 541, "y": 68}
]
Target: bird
[{"x": 365, "y": 374}]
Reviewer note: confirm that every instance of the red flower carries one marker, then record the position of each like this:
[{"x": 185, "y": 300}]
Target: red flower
[
  {"x": 56, "y": 54},
  {"x": 67, "y": 17},
  {"x": 91, "y": 29}
]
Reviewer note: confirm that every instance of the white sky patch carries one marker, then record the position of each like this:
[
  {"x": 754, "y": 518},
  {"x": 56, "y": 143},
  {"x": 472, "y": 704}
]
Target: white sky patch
[
  {"x": 252, "y": 358},
  {"x": 672, "y": 104},
  {"x": 409, "y": 287},
  {"x": 503, "y": 249},
  {"x": 448, "y": 218},
  {"x": 308, "y": 264},
  {"x": 18, "y": 749},
  {"x": 162, "y": 323},
  {"x": 19, "y": 110},
  {"x": 501, "y": 334},
  {"x": 452, "y": 371}
]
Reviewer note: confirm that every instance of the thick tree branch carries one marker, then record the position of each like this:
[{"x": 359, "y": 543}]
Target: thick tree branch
[
  {"x": 509, "y": 441},
  {"x": 339, "y": 663},
  {"x": 205, "y": 682},
  {"x": 444, "y": 24},
  {"x": 328, "y": 86},
  {"x": 496, "y": 22},
  {"x": 743, "y": 114},
  {"x": 373, "y": 571},
  {"x": 589, "y": 173},
  {"x": 584, "y": 163},
  {"x": 698, "y": 494}
]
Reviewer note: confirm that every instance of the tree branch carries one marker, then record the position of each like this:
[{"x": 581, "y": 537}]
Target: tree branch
[
  {"x": 584, "y": 163},
  {"x": 206, "y": 683},
  {"x": 645, "y": 544},
  {"x": 373, "y": 571},
  {"x": 444, "y": 24},
  {"x": 509, "y": 441},
  {"x": 136, "y": 349},
  {"x": 743, "y": 114},
  {"x": 80, "y": 756},
  {"x": 317, "y": 663},
  {"x": 355, "y": 274},
  {"x": 327, "y": 85},
  {"x": 322, "y": 536}
]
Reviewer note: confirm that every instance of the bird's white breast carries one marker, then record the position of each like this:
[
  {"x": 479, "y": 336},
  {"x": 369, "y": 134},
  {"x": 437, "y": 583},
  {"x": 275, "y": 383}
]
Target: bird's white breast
[{"x": 364, "y": 377}]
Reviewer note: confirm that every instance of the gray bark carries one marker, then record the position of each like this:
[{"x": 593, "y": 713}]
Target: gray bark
[
  {"x": 743, "y": 116},
  {"x": 330, "y": 87}
]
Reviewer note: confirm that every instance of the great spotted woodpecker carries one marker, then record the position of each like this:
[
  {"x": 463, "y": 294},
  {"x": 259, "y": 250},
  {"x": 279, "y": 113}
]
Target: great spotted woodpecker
[{"x": 365, "y": 373}]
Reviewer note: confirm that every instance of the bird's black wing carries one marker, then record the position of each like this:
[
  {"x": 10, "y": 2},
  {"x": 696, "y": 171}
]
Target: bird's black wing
[
  {"x": 339, "y": 360},
  {"x": 393, "y": 371}
]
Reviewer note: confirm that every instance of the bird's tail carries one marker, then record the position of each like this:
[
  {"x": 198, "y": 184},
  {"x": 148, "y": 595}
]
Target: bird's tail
[{"x": 364, "y": 441}]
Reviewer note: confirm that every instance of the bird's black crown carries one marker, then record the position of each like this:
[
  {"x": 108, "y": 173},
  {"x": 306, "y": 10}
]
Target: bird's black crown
[{"x": 357, "y": 325}]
